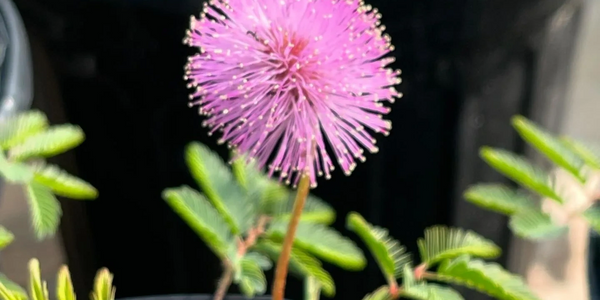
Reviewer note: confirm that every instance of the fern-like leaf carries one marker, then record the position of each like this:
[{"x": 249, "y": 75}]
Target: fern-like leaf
[
  {"x": 549, "y": 145},
  {"x": 44, "y": 209},
  {"x": 301, "y": 264},
  {"x": 56, "y": 140},
  {"x": 489, "y": 278},
  {"x": 442, "y": 243},
  {"x": 499, "y": 198},
  {"x": 592, "y": 216},
  {"x": 217, "y": 182},
  {"x": 63, "y": 183},
  {"x": 323, "y": 242},
  {"x": 520, "y": 170},
  {"x": 38, "y": 289},
  {"x": 16, "y": 291},
  {"x": 590, "y": 153},
  {"x": 15, "y": 129},
  {"x": 382, "y": 293},
  {"x": 199, "y": 214},
  {"x": 315, "y": 210},
  {"x": 535, "y": 225},
  {"x": 64, "y": 285},
  {"x": 251, "y": 278},
  {"x": 420, "y": 290},
  {"x": 389, "y": 254},
  {"x": 6, "y": 237},
  {"x": 103, "y": 287}
]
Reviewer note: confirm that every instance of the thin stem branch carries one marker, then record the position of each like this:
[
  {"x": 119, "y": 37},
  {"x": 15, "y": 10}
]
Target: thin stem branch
[
  {"x": 224, "y": 282},
  {"x": 284, "y": 258}
]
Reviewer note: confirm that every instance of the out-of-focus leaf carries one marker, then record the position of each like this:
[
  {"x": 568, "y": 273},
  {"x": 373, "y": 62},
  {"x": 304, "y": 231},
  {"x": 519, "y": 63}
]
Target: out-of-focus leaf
[
  {"x": 301, "y": 264},
  {"x": 103, "y": 287},
  {"x": 535, "y": 225},
  {"x": 315, "y": 210},
  {"x": 421, "y": 290},
  {"x": 56, "y": 140},
  {"x": 64, "y": 285},
  {"x": 323, "y": 242},
  {"x": 254, "y": 181},
  {"x": 217, "y": 182},
  {"x": 16, "y": 291},
  {"x": 489, "y": 278},
  {"x": 44, "y": 209},
  {"x": 16, "y": 129},
  {"x": 14, "y": 172},
  {"x": 590, "y": 153},
  {"x": 6, "y": 237},
  {"x": 251, "y": 278},
  {"x": 63, "y": 183},
  {"x": 38, "y": 289},
  {"x": 498, "y": 198},
  {"x": 199, "y": 214},
  {"x": 382, "y": 293},
  {"x": 520, "y": 170},
  {"x": 549, "y": 145}
]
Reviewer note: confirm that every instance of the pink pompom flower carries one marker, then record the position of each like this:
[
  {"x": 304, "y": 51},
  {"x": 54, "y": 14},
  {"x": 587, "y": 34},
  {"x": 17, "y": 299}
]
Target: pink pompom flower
[{"x": 290, "y": 82}]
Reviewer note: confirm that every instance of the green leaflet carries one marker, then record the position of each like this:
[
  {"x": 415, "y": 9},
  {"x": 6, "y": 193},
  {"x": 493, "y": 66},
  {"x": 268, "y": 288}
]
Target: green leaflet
[
  {"x": 323, "y": 242},
  {"x": 250, "y": 277},
  {"x": 420, "y": 290},
  {"x": 499, "y": 198},
  {"x": 301, "y": 264},
  {"x": 489, "y": 278},
  {"x": 64, "y": 285},
  {"x": 216, "y": 181},
  {"x": 200, "y": 215},
  {"x": 549, "y": 145},
  {"x": 63, "y": 183},
  {"x": 382, "y": 293},
  {"x": 16, "y": 292},
  {"x": 592, "y": 216},
  {"x": 431, "y": 291},
  {"x": 535, "y": 225},
  {"x": 16, "y": 129},
  {"x": 588, "y": 152},
  {"x": 315, "y": 210},
  {"x": 441, "y": 243},
  {"x": 389, "y": 254},
  {"x": 6, "y": 237},
  {"x": 38, "y": 289},
  {"x": 56, "y": 140},
  {"x": 103, "y": 288},
  {"x": 520, "y": 170},
  {"x": 44, "y": 209}
]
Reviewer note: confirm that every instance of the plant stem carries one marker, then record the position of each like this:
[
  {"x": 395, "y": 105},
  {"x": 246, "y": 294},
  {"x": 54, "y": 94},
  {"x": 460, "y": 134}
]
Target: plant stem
[
  {"x": 224, "y": 282},
  {"x": 284, "y": 258}
]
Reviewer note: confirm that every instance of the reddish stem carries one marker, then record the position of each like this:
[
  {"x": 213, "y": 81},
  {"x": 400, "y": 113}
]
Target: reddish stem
[{"x": 284, "y": 258}]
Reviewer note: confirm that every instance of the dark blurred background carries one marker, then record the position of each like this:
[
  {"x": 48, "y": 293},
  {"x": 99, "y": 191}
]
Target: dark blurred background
[{"x": 115, "y": 67}]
